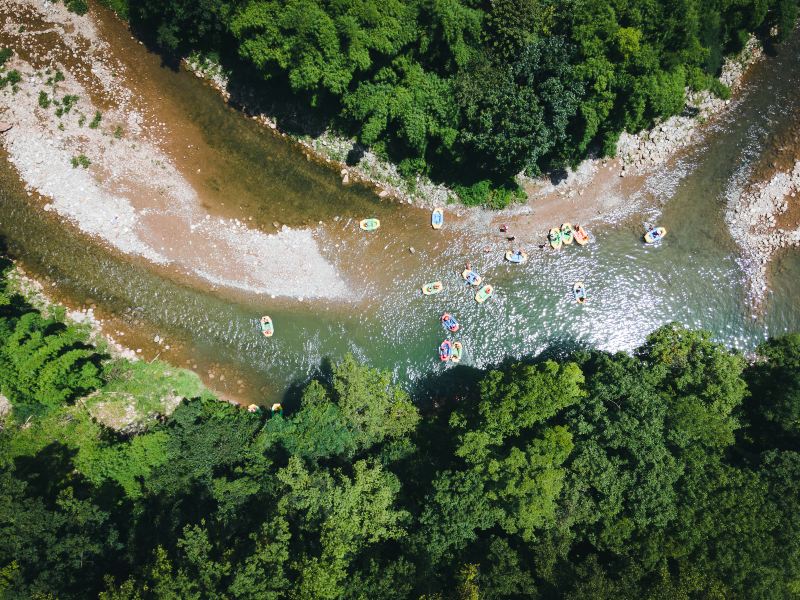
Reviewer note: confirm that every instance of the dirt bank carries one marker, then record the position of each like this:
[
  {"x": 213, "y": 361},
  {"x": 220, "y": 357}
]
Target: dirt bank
[{"x": 94, "y": 151}]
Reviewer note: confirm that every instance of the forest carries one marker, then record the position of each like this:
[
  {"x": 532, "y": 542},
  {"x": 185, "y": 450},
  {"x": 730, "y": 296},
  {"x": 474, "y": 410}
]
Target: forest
[
  {"x": 670, "y": 472},
  {"x": 468, "y": 92}
]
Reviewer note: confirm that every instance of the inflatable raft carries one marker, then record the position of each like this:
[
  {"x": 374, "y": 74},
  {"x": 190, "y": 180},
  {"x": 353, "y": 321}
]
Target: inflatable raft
[
  {"x": 445, "y": 350},
  {"x": 554, "y": 237},
  {"x": 484, "y": 294},
  {"x": 369, "y": 224},
  {"x": 579, "y": 292},
  {"x": 580, "y": 235},
  {"x": 655, "y": 235},
  {"x": 471, "y": 277},
  {"x": 266, "y": 326},
  {"x": 566, "y": 233},
  {"x": 519, "y": 257},
  {"x": 449, "y": 322},
  {"x": 434, "y": 287},
  {"x": 437, "y": 218}
]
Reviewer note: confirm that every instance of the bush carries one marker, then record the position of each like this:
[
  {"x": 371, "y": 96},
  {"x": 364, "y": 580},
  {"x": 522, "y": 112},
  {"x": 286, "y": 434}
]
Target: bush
[
  {"x": 13, "y": 78},
  {"x": 118, "y": 6},
  {"x": 476, "y": 194},
  {"x": 483, "y": 194},
  {"x": 96, "y": 120},
  {"x": 79, "y": 7},
  {"x": 44, "y": 100},
  {"x": 5, "y": 54},
  {"x": 409, "y": 168},
  {"x": 80, "y": 161},
  {"x": 67, "y": 103}
]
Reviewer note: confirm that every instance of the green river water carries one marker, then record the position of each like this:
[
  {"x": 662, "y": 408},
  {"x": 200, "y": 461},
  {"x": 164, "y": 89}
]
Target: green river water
[{"x": 692, "y": 277}]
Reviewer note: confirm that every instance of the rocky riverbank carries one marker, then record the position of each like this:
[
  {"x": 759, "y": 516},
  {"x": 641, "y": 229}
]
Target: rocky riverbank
[
  {"x": 333, "y": 148},
  {"x": 642, "y": 152},
  {"x": 637, "y": 154},
  {"x": 92, "y": 149},
  {"x": 763, "y": 219}
]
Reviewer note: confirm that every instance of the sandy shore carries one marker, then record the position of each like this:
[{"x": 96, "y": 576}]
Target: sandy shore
[
  {"x": 763, "y": 219},
  {"x": 129, "y": 193}
]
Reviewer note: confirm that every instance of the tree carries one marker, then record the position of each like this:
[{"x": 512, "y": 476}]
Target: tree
[
  {"x": 517, "y": 113},
  {"x": 46, "y": 363},
  {"x": 319, "y": 46},
  {"x": 374, "y": 409},
  {"x": 773, "y": 407}
]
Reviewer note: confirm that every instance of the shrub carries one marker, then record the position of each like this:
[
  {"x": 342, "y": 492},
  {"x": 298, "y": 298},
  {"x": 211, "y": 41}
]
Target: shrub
[
  {"x": 96, "y": 120},
  {"x": 5, "y": 54},
  {"x": 80, "y": 161},
  {"x": 409, "y": 168},
  {"x": 476, "y": 194},
  {"x": 118, "y": 132},
  {"x": 67, "y": 103},
  {"x": 79, "y": 7},
  {"x": 13, "y": 78},
  {"x": 44, "y": 100}
]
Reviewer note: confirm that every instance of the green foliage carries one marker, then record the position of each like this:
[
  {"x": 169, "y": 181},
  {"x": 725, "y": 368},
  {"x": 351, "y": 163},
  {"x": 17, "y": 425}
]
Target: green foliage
[
  {"x": 45, "y": 363},
  {"x": 671, "y": 472},
  {"x": 774, "y": 405},
  {"x": 80, "y": 161},
  {"x": 44, "y": 100},
  {"x": 137, "y": 391},
  {"x": 121, "y": 7},
  {"x": 483, "y": 193},
  {"x": 95, "y": 122},
  {"x": 12, "y": 78},
  {"x": 468, "y": 92},
  {"x": 320, "y": 47},
  {"x": 79, "y": 7},
  {"x": 5, "y": 54},
  {"x": 66, "y": 104}
]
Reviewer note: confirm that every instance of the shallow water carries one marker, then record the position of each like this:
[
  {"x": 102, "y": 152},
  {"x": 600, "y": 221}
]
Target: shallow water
[{"x": 691, "y": 277}]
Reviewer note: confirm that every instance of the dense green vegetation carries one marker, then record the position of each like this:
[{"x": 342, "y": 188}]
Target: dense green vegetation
[
  {"x": 670, "y": 473},
  {"x": 471, "y": 91}
]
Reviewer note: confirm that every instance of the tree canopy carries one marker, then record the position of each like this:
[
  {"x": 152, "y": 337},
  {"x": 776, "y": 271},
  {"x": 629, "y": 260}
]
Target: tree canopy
[
  {"x": 472, "y": 91},
  {"x": 671, "y": 472}
]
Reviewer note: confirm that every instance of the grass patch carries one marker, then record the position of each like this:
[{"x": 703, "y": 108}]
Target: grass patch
[
  {"x": 80, "y": 161},
  {"x": 118, "y": 132},
  {"x": 81, "y": 120},
  {"x": 67, "y": 104},
  {"x": 12, "y": 79},
  {"x": 59, "y": 76},
  {"x": 96, "y": 120},
  {"x": 44, "y": 100},
  {"x": 138, "y": 391}
]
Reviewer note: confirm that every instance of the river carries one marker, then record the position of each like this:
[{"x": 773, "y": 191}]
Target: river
[{"x": 251, "y": 173}]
